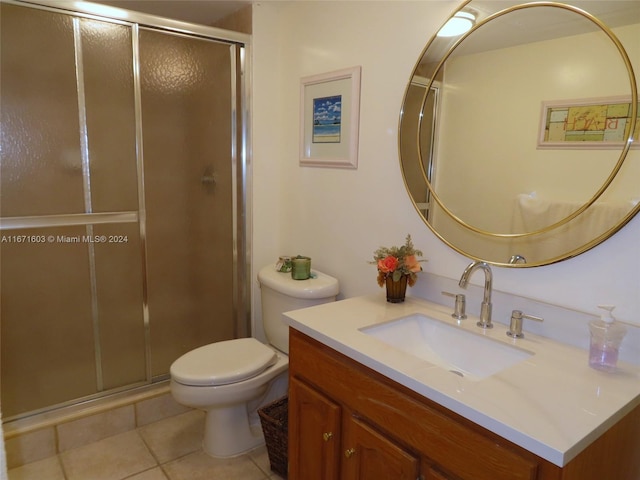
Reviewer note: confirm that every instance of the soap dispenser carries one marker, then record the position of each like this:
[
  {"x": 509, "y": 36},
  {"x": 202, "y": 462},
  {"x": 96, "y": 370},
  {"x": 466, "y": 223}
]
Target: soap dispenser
[{"x": 606, "y": 336}]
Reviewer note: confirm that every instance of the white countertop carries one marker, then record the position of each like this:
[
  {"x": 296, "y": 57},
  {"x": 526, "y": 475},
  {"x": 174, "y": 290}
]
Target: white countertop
[{"x": 553, "y": 404}]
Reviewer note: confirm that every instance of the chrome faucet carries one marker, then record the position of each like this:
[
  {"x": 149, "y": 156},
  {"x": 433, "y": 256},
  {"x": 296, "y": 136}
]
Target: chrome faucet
[
  {"x": 485, "y": 308},
  {"x": 515, "y": 259}
]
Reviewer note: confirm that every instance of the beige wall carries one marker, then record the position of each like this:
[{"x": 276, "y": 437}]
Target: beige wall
[
  {"x": 508, "y": 124},
  {"x": 339, "y": 217}
]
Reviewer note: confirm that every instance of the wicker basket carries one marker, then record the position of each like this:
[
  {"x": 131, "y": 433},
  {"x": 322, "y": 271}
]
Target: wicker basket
[{"x": 274, "y": 420}]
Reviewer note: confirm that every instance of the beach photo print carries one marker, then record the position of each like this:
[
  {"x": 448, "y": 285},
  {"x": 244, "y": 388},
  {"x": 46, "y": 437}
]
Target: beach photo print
[
  {"x": 329, "y": 119},
  {"x": 327, "y": 114}
]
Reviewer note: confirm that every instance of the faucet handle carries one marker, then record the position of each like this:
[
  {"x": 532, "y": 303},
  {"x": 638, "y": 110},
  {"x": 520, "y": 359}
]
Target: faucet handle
[
  {"x": 460, "y": 305},
  {"x": 515, "y": 326}
]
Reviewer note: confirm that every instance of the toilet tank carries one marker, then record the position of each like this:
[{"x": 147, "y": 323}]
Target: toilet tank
[{"x": 280, "y": 293}]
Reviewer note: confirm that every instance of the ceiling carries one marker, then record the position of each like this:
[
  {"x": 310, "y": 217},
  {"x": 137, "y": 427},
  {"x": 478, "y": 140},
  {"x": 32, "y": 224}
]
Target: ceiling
[
  {"x": 545, "y": 23},
  {"x": 534, "y": 24},
  {"x": 205, "y": 12}
]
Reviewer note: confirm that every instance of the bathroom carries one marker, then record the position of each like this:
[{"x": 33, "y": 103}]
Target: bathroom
[{"x": 338, "y": 217}]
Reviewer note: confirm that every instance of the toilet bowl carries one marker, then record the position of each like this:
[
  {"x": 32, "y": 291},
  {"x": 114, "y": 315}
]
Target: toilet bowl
[{"x": 231, "y": 379}]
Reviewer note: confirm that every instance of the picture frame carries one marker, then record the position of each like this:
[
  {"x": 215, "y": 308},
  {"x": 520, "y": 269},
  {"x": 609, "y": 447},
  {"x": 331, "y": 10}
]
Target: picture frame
[
  {"x": 595, "y": 123},
  {"x": 330, "y": 119}
]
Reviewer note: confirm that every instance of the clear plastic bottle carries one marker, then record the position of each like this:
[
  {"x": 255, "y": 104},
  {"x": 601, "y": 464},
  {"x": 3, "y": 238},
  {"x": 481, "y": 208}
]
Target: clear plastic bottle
[{"x": 606, "y": 337}]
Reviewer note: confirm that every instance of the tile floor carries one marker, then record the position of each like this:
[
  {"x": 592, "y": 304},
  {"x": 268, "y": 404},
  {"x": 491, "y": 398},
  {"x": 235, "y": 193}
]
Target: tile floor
[{"x": 169, "y": 449}]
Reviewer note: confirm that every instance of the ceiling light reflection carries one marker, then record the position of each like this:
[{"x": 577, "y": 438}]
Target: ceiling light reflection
[
  {"x": 102, "y": 10},
  {"x": 460, "y": 23}
]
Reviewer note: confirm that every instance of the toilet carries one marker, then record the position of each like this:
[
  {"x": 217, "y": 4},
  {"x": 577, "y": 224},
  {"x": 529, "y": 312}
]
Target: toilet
[{"x": 231, "y": 379}]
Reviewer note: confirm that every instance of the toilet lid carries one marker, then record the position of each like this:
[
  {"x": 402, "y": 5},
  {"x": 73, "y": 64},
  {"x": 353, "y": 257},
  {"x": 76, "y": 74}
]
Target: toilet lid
[{"x": 222, "y": 363}]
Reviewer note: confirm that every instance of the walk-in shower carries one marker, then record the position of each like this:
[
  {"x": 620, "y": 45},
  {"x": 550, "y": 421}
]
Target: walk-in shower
[{"x": 123, "y": 174}]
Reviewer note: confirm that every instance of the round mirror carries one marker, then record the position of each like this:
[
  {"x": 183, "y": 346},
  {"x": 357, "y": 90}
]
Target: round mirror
[{"x": 516, "y": 137}]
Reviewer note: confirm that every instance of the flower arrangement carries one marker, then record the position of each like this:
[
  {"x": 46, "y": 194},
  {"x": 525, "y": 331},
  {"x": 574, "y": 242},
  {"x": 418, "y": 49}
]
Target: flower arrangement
[{"x": 398, "y": 261}]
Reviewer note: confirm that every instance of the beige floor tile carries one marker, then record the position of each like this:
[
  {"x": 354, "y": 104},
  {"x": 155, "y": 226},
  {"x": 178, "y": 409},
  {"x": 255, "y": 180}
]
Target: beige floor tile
[
  {"x": 158, "y": 408},
  {"x": 176, "y": 436},
  {"x": 95, "y": 427},
  {"x": 113, "y": 458},
  {"x": 47, "y": 469},
  {"x": 200, "y": 466},
  {"x": 153, "y": 474},
  {"x": 261, "y": 458}
]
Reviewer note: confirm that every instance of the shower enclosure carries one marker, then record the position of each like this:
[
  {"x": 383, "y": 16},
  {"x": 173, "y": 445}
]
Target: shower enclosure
[{"x": 122, "y": 199}]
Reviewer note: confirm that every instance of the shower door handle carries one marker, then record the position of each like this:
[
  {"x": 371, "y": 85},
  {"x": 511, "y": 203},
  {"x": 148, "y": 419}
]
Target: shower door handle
[{"x": 209, "y": 178}]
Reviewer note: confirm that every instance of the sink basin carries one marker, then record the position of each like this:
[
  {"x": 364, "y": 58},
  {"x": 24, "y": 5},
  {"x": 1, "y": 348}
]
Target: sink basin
[{"x": 467, "y": 354}]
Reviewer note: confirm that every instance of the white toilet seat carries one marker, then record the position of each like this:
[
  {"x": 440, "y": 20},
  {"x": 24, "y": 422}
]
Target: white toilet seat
[
  {"x": 231, "y": 380},
  {"x": 223, "y": 363}
]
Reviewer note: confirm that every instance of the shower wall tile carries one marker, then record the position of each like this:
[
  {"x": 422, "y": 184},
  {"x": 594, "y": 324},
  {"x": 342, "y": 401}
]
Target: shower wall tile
[
  {"x": 96, "y": 427},
  {"x": 30, "y": 447},
  {"x": 157, "y": 408}
]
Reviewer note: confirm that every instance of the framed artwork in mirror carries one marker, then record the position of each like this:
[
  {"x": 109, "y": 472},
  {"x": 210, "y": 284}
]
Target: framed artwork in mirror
[
  {"x": 330, "y": 118},
  {"x": 588, "y": 123}
]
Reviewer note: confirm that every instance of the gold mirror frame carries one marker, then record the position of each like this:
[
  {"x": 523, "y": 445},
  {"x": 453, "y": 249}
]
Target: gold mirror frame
[{"x": 468, "y": 236}]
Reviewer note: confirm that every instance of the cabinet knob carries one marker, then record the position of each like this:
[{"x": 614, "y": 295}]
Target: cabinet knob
[
  {"x": 349, "y": 453},
  {"x": 327, "y": 436}
]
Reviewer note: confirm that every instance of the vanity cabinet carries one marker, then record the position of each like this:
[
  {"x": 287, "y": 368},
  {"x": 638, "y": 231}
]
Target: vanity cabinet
[
  {"x": 324, "y": 430},
  {"x": 369, "y": 453},
  {"x": 316, "y": 430},
  {"x": 347, "y": 422}
]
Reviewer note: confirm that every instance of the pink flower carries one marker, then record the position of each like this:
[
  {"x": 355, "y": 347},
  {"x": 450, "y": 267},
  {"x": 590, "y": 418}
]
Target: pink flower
[
  {"x": 388, "y": 264},
  {"x": 411, "y": 262}
]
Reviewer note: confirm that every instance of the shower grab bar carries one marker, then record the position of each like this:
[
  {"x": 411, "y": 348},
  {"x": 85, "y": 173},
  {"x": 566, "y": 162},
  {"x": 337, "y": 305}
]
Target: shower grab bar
[{"x": 13, "y": 223}]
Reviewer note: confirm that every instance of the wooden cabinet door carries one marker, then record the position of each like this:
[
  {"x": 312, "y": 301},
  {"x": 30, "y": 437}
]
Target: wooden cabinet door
[
  {"x": 314, "y": 432},
  {"x": 434, "y": 473},
  {"x": 369, "y": 455}
]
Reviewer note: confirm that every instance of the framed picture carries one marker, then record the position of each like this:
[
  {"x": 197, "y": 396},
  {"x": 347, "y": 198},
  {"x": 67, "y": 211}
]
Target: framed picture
[
  {"x": 590, "y": 123},
  {"x": 329, "y": 119}
]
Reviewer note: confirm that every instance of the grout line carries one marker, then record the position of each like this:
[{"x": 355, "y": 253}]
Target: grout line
[
  {"x": 61, "y": 463},
  {"x": 164, "y": 472},
  {"x": 266, "y": 474},
  {"x": 141, "y": 472},
  {"x": 147, "y": 446}
]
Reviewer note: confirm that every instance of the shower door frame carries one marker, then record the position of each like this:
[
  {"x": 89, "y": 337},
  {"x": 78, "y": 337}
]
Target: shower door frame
[{"x": 240, "y": 52}]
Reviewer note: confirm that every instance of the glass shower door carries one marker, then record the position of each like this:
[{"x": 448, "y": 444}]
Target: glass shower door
[
  {"x": 71, "y": 304},
  {"x": 188, "y": 176},
  {"x": 118, "y": 201}
]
